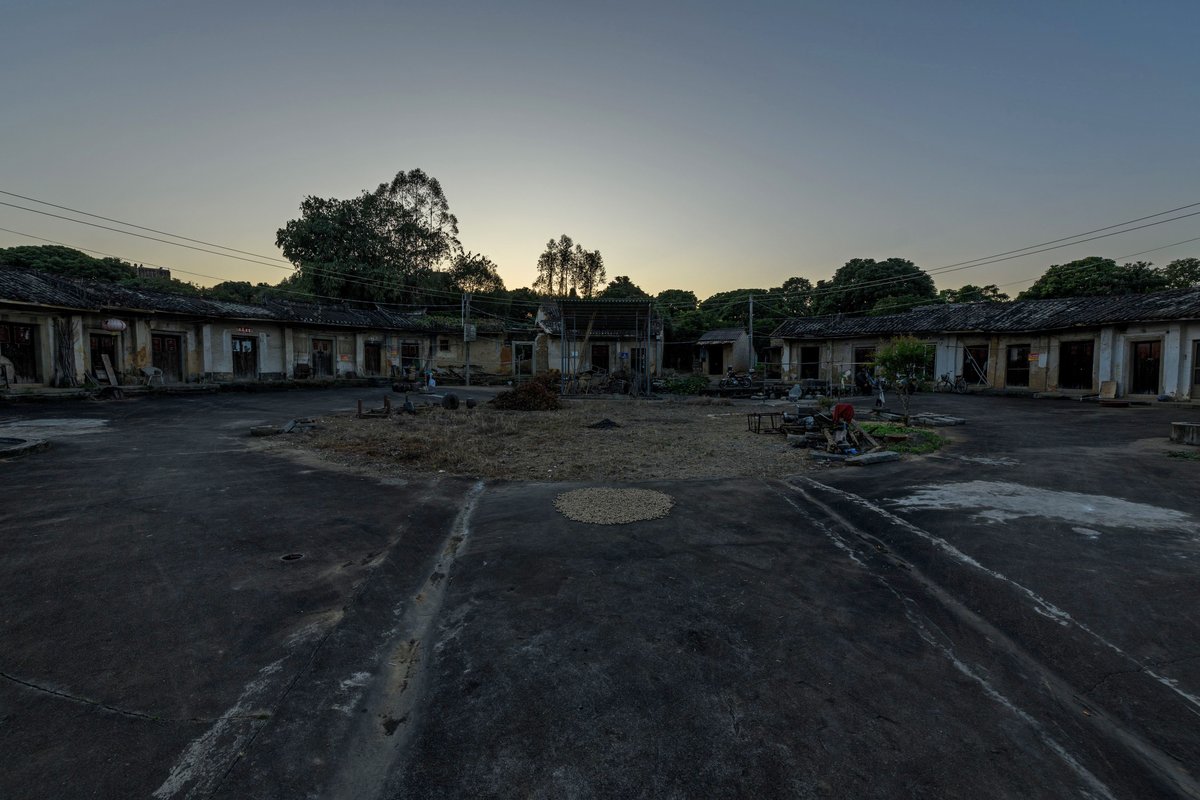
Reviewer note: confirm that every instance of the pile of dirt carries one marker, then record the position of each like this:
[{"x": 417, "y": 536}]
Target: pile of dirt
[
  {"x": 613, "y": 506},
  {"x": 533, "y": 396}
]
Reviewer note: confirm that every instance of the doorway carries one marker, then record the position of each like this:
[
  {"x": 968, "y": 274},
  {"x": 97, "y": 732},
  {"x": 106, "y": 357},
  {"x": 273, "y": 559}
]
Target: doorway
[
  {"x": 975, "y": 365},
  {"x": 322, "y": 358},
  {"x": 1145, "y": 368},
  {"x": 1075, "y": 364},
  {"x": 373, "y": 358},
  {"x": 100, "y": 345},
  {"x": 716, "y": 360},
  {"x": 1195, "y": 369},
  {"x": 600, "y": 357},
  {"x": 17, "y": 346},
  {"x": 166, "y": 355},
  {"x": 245, "y": 358},
  {"x": 522, "y": 360}
]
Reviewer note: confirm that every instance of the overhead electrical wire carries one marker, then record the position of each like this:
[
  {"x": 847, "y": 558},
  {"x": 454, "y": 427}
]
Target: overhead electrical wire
[{"x": 1053, "y": 244}]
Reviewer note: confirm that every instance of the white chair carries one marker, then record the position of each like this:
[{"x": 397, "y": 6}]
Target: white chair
[{"x": 150, "y": 373}]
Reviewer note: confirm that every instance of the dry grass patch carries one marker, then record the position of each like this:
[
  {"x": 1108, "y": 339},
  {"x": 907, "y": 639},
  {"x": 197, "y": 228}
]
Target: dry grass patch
[{"x": 655, "y": 439}]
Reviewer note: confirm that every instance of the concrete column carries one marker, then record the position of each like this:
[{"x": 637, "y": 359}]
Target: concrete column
[
  {"x": 1107, "y": 356},
  {"x": 79, "y": 336},
  {"x": 289, "y": 353},
  {"x": 206, "y": 349},
  {"x": 359, "y": 353},
  {"x": 261, "y": 355},
  {"x": 1172, "y": 359}
]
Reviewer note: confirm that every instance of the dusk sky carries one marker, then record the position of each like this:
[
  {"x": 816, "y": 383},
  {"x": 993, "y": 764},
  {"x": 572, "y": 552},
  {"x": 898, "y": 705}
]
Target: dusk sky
[{"x": 707, "y": 146}]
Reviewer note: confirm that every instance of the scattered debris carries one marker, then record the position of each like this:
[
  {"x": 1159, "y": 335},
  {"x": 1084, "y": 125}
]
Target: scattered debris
[
  {"x": 535, "y": 395},
  {"x": 926, "y": 420},
  {"x": 291, "y": 426}
]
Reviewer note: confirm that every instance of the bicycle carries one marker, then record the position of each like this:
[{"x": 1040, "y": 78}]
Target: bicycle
[{"x": 944, "y": 384}]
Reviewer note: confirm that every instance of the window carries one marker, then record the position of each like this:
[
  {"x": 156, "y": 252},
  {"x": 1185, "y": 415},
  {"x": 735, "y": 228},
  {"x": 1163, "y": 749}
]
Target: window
[
  {"x": 1075, "y": 364},
  {"x": 810, "y": 363},
  {"x": 1016, "y": 366},
  {"x": 443, "y": 345}
]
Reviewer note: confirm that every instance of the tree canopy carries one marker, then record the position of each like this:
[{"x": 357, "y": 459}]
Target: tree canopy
[
  {"x": 1182, "y": 273},
  {"x": 1093, "y": 276},
  {"x": 971, "y": 293},
  {"x": 383, "y": 245},
  {"x": 862, "y": 283},
  {"x": 622, "y": 288},
  {"x": 565, "y": 267}
]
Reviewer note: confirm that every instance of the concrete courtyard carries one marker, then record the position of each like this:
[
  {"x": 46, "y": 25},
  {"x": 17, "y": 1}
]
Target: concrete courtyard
[{"x": 185, "y": 615}]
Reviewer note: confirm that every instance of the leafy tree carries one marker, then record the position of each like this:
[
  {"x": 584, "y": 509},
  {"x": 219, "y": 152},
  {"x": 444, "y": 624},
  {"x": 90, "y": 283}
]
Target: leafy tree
[
  {"x": 623, "y": 288},
  {"x": 971, "y": 293},
  {"x": 588, "y": 268},
  {"x": 676, "y": 300},
  {"x": 793, "y": 299},
  {"x": 555, "y": 268},
  {"x": 566, "y": 268},
  {"x": 861, "y": 283},
  {"x": 1182, "y": 273},
  {"x": 238, "y": 292},
  {"x": 1093, "y": 276},
  {"x": 477, "y": 274},
  {"x": 379, "y": 246},
  {"x": 898, "y": 304},
  {"x": 901, "y": 360}
]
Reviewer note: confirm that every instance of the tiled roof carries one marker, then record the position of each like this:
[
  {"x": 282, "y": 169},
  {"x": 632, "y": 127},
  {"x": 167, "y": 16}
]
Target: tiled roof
[
  {"x": 721, "y": 336},
  {"x": 39, "y": 288},
  {"x": 1015, "y": 317}
]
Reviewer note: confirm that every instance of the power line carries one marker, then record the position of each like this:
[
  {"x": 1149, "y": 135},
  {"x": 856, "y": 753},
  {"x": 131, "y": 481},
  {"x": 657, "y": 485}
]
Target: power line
[
  {"x": 142, "y": 227},
  {"x": 970, "y": 264},
  {"x": 402, "y": 307}
]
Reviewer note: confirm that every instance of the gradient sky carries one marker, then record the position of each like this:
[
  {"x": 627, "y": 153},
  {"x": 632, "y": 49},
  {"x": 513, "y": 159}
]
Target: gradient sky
[{"x": 707, "y": 146}]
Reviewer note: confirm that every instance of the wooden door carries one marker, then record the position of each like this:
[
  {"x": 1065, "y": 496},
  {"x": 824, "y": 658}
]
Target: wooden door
[
  {"x": 373, "y": 358},
  {"x": 322, "y": 358},
  {"x": 103, "y": 344},
  {"x": 245, "y": 358},
  {"x": 1147, "y": 363},
  {"x": 167, "y": 356}
]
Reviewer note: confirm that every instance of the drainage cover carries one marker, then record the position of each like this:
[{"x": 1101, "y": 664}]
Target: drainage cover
[{"x": 292, "y": 557}]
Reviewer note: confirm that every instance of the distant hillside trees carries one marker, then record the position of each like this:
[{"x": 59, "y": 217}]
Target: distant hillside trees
[
  {"x": 973, "y": 294},
  {"x": 72, "y": 263}
]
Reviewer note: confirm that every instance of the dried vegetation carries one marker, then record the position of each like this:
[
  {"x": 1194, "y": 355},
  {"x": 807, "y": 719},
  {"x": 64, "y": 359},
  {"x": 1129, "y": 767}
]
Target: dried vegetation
[{"x": 652, "y": 439}]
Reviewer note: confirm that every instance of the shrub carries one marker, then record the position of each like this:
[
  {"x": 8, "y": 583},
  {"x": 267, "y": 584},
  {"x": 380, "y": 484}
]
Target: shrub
[{"x": 685, "y": 384}]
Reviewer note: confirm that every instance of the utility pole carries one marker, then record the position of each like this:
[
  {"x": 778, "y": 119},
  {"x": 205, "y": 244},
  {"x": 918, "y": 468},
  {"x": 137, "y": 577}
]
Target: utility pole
[
  {"x": 466, "y": 316},
  {"x": 750, "y": 355}
]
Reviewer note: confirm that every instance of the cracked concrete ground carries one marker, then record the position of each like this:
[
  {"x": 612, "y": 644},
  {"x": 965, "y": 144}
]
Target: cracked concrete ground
[{"x": 967, "y": 624}]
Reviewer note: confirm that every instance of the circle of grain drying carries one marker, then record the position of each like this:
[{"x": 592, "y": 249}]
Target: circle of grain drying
[{"x": 613, "y": 506}]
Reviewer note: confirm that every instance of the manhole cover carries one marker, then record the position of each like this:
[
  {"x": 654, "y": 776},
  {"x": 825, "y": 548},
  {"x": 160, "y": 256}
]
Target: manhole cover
[
  {"x": 292, "y": 557},
  {"x": 613, "y": 506}
]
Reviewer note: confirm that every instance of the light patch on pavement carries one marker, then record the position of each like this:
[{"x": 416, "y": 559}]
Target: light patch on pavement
[
  {"x": 206, "y": 759},
  {"x": 997, "y": 501},
  {"x": 1087, "y": 533},
  {"x": 50, "y": 428},
  {"x": 999, "y": 461}
]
